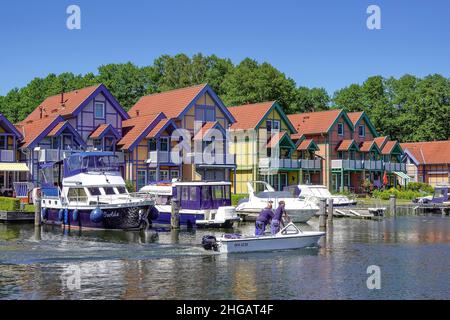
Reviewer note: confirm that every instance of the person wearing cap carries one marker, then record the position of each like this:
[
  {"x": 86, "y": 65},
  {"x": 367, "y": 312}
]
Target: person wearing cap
[
  {"x": 277, "y": 220},
  {"x": 263, "y": 219}
]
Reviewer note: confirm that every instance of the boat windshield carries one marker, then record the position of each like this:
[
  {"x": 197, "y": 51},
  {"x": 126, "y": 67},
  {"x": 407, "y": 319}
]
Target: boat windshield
[
  {"x": 274, "y": 194},
  {"x": 319, "y": 192},
  {"x": 93, "y": 163}
]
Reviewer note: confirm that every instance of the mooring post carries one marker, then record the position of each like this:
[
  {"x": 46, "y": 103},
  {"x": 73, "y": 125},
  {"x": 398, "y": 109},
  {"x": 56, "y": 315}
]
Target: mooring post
[
  {"x": 393, "y": 205},
  {"x": 175, "y": 214},
  {"x": 37, "y": 211},
  {"x": 330, "y": 209},
  {"x": 322, "y": 214}
]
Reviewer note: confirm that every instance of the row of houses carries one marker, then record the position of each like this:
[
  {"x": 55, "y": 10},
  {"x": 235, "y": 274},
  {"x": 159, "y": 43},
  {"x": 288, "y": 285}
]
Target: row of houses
[{"x": 190, "y": 134}]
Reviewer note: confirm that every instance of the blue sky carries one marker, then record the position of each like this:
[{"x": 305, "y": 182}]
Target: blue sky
[{"x": 317, "y": 43}]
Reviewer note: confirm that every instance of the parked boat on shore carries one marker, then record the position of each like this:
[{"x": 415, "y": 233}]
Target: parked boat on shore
[
  {"x": 300, "y": 210},
  {"x": 202, "y": 204},
  {"x": 91, "y": 195},
  {"x": 290, "y": 237}
]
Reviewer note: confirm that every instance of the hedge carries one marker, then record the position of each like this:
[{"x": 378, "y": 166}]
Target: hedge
[
  {"x": 399, "y": 194},
  {"x": 236, "y": 197},
  {"x": 9, "y": 204}
]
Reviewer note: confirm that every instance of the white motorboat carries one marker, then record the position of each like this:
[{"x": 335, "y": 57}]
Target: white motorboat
[
  {"x": 318, "y": 192},
  {"x": 290, "y": 237},
  {"x": 299, "y": 210},
  {"x": 202, "y": 204}
]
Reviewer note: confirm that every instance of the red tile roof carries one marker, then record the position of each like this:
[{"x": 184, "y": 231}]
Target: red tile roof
[
  {"x": 346, "y": 144},
  {"x": 55, "y": 130},
  {"x": 366, "y": 146},
  {"x": 248, "y": 116},
  {"x": 275, "y": 139},
  {"x": 133, "y": 128},
  {"x": 354, "y": 116},
  {"x": 304, "y": 145},
  {"x": 32, "y": 129},
  {"x": 433, "y": 152},
  {"x": 388, "y": 147},
  {"x": 157, "y": 128},
  {"x": 380, "y": 141},
  {"x": 204, "y": 130},
  {"x": 52, "y": 106},
  {"x": 313, "y": 122},
  {"x": 172, "y": 103},
  {"x": 99, "y": 131}
]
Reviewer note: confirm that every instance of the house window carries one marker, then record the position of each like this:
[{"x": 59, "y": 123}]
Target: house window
[
  {"x": 109, "y": 144},
  {"x": 203, "y": 114},
  {"x": 276, "y": 125},
  {"x": 269, "y": 125},
  {"x": 340, "y": 129},
  {"x": 152, "y": 176},
  {"x": 55, "y": 143},
  {"x": 67, "y": 142},
  {"x": 3, "y": 143},
  {"x": 164, "y": 144},
  {"x": 152, "y": 145},
  {"x": 164, "y": 175},
  {"x": 99, "y": 110},
  {"x": 362, "y": 130},
  {"x": 174, "y": 174},
  {"x": 209, "y": 115},
  {"x": 141, "y": 179},
  {"x": 97, "y": 143}
]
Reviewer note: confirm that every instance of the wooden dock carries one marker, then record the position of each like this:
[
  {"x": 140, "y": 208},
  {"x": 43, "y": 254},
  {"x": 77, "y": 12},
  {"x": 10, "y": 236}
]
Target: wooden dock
[{"x": 9, "y": 216}]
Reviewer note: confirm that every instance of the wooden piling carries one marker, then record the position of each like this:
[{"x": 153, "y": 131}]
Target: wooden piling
[
  {"x": 393, "y": 205},
  {"x": 175, "y": 214},
  {"x": 37, "y": 211},
  {"x": 330, "y": 209},
  {"x": 322, "y": 214}
]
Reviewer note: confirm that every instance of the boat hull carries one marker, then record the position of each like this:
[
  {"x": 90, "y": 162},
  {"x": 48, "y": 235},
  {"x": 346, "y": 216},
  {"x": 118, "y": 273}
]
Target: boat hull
[
  {"x": 269, "y": 243},
  {"x": 297, "y": 216},
  {"x": 122, "y": 218}
]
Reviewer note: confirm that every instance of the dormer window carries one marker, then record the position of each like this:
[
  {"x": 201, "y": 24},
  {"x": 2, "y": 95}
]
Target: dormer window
[
  {"x": 340, "y": 129},
  {"x": 99, "y": 110},
  {"x": 362, "y": 130}
]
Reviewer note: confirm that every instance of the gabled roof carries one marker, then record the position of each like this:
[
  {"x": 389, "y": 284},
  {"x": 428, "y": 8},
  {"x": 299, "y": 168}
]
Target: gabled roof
[
  {"x": 307, "y": 144},
  {"x": 205, "y": 129},
  {"x": 317, "y": 122},
  {"x": 390, "y": 147},
  {"x": 346, "y": 145},
  {"x": 380, "y": 141},
  {"x": 34, "y": 131},
  {"x": 433, "y": 152},
  {"x": 6, "y": 124},
  {"x": 175, "y": 103},
  {"x": 368, "y": 146},
  {"x": 356, "y": 117},
  {"x": 250, "y": 116},
  {"x": 278, "y": 138},
  {"x": 69, "y": 104},
  {"x": 63, "y": 126},
  {"x": 136, "y": 129},
  {"x": 103, "y": 130},
  {"x": 160, "y": 127}
]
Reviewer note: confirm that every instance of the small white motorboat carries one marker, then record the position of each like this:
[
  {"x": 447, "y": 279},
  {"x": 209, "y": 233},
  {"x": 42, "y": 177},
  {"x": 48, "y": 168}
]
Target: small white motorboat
[
  {"x": 290, "y": 237},
  {"x": 299, "y": 210},
  {"x": 318, "y": 192}
]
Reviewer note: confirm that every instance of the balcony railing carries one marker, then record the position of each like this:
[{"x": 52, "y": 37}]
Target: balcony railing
[
  {"x": 202, "y": 158},
  {"x": 158, "y": 157},
  {"x": 373, "y": 165},
  {"x": 7, "y": 155},
  {"x": 315, "y": 164},
  {"x": 266, "y": 163},
  {"x": 391, "y": 166},
  {"x": 347, "y": 164},
  {"x": 54, "y": 155}
]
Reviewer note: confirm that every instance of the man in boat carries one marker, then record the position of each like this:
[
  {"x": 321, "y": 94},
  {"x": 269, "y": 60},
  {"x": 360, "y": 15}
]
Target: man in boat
[
  {"x": 277, "y": 220},
  {"x": 264, "y": 218}
]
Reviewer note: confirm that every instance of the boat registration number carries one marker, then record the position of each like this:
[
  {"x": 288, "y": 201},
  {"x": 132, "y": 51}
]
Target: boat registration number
[{"x": 241, "y": 244}]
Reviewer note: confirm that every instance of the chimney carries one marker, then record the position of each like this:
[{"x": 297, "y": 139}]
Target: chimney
[
  {"x": 62, "y": 97},
  {"x": 40, "y": 112},
  {"x": 137, "y": 113}
]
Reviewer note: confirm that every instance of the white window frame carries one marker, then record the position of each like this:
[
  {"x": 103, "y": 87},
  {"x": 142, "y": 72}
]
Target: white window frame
[
  {"x": 103, "y": 106},
  {"x": 150, "y": 173},
  {"x": 161, "y": 172},
  {"x": 174, "y": 171}
]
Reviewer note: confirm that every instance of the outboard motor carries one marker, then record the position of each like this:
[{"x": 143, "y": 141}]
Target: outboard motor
[{"x": 210, "y": 243}]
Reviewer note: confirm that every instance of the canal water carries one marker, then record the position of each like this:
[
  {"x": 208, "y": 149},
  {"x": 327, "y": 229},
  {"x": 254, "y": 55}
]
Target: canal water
[{"x": 413, "y": 254}]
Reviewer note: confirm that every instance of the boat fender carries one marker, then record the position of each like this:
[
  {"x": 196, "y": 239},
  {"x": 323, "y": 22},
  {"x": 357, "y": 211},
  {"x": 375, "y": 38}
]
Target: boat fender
[
  {"x": 210, "y": 243},
  {"x": 44, "y": 213},
  {"x": 60, "y": 215},
  {"x": 96, "y": 215},
  {"x": 66, "y": 216},
  {"x": 153, "y": 214},
  {"x": 75, "y": 215}
]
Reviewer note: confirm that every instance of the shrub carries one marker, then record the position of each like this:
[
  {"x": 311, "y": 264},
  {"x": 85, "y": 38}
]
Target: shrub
[
  {"x": 9, "y": 204},
  {"x": 399, "y": 194},
  {"x": 130, "y": 186},
  {"x": 420, "y": 186},
  {"x": 236, "y": 197}
]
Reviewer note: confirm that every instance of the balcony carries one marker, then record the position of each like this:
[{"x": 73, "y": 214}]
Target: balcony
[
  {"x": 54, "y": 155},
  {"x": 347, "y": 164},
  {"x": 266, "y": 163},
  {"x": 218, "y": 159},
  {"x": 7, "y": 155},
  {"x": 373, "y": 165},
  {"x": 307, "y": 164},
  {"x": 391, "y": 167},
  {"x": 159, "y": 157}
]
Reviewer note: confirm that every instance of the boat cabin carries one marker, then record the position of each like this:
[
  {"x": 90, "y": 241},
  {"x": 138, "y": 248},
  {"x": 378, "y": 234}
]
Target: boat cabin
[{"x": 202, "y": 195}]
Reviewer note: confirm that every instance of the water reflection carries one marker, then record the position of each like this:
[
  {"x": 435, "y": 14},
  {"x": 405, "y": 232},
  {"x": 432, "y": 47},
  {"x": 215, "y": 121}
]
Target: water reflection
[{"x": 413, "y": 253}]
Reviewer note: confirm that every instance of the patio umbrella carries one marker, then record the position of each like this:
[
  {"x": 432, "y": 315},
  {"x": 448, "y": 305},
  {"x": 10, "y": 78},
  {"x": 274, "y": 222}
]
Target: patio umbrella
[{"x": 385, "y": 179}]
